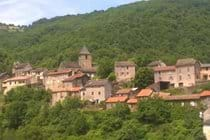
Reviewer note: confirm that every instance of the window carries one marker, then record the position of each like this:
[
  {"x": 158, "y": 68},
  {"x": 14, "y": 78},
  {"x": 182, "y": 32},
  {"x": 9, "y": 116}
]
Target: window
[
  {"x": 86, "y": 57},
  {"x": 207, "y": 68},
  {"x": 189, "y": 77},
  {"x": 180, "y": 77},
  {"x": 127, "y": 67},
  {"x": 99, "y": 93},
  {"x": 92, "y": 93},
  {"x": 171, "y": 78},
  {"x": 83, "y": 93}
]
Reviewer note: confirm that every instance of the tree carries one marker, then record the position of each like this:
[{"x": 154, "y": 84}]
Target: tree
[
  {"x": 144, "y": 77},
  {"x": 154, "y": 111},
  {"x": 105, "y": 67}
]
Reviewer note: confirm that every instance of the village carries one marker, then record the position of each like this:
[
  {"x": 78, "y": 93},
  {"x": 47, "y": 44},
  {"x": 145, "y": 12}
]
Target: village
[{"x": 76, "y": 79}]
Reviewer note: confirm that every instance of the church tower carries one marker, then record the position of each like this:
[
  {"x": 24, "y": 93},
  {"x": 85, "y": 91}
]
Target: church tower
[{"x": 85, "y": 58}]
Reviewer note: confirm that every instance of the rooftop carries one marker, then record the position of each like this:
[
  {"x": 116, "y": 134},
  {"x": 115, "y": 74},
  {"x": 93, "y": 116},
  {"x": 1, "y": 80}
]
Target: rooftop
[
  {"x": 66, "y": 89},
  {"x": 132, "y": 101},
  {"x": 205, "y": 65},
  {"x": 156, "y": 63},
  {"x": 182, "y": 97},
  {"x": 21, "y": 65},
  {"x": 84, "y": 50},
  {"x": 59, "y": 72},
  {"x": 76, "y": 76},
  {"x": 145, "y": 93},
  {"x": 124, "y": 64},
  {"x": 124, "y": 91},
  {"x": 117, "y": 99},
  {"x": 205, "y": 93},
  {"x": 187, "y": 61},
  {"x": 20, "y": 78},
  {"x": 165, "y": 68},
  {"x": 97, "y": 83}
]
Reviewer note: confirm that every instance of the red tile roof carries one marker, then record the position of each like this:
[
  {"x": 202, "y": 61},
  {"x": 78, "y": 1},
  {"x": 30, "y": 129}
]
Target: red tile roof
[
  {"x": 59, "y": 72},
  {"x": 76, "y": 76},
  {"x": 117, "y": 99},
  {"x": 166, "y": 68},
  {"x": 66, "y": 89},
  {"x": 132, "y": 101},
  {"x": 205, "y": 93},
  {"x": 182, "y": 97},
  {"x": 19, "y": 78},
  {"x": 124, "y": 91},
  {"x": 145, "y": 92}
]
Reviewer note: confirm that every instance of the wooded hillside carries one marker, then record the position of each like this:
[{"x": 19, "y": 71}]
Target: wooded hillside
[{"x": 142, "y": 31}]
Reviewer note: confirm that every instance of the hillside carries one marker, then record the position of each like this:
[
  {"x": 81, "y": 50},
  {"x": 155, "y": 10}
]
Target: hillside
[{"x": 142, "y": 31}]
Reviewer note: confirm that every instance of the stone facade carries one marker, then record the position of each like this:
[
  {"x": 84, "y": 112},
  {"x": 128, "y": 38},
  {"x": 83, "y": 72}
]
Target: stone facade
[
  {"x": 125, "y": 71},
  {"x": 205, "y": 72},
  {"x": 96, "y": 91},
  {"x": 54, "y": 79},
  {"x": 14, "y": 82},
  {"x": 185, "y": 73}
]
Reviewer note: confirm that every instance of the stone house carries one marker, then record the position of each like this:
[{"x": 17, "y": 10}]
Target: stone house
[
  {"x": 112, "y": 101},
  {"x": 188, "y": 72},
  {"x": 61, "y": 93},
  {"x": 55, "y": 78},
  {"x": 185, "y": 73},
  {"x": 97, "y": 90},
  {"x": 205, "y": 72},
  {"x": 125, "y": 92},
  {"x": 21, "y": 69},
  {"x": 14, "y": 82},
  {"x": 164, "y": 74},
  {"x": 125, "y": 71}
]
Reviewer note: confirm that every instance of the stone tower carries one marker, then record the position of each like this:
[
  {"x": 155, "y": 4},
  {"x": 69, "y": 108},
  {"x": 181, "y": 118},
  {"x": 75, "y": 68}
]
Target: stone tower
[{"x": 85, "y": 58}]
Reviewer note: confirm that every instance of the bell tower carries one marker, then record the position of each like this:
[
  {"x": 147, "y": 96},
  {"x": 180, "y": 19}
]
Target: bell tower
[{"x": 85, "y": 58}]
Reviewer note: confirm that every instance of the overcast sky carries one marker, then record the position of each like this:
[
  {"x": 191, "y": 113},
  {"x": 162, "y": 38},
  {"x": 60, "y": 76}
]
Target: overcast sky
[{"x": 24, "y": 12}]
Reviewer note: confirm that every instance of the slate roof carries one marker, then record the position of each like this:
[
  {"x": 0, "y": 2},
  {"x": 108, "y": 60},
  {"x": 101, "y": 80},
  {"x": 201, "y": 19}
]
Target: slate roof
[
  {"x": 124, "y": 63},
  {"x": 205, "y": 65},
  {"x": 97, "y": 83},
  {"x": 69, "y": 65},
  {"x": 156, "y": 63},
  {"x": 74, "y": 77},
  {"x": 166, "y": 68},
  {"x": 84, "y": 50},
  {"x": 184, "y": 62},
  {"x": 59, "y": 72},
  {"x": 21, "y": 65},
  {"x": 182, "y": 97}
]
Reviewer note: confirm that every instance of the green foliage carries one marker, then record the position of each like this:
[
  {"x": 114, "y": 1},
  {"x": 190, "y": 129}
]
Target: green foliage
[
  {"x": 144, "y": 77},
  {"x": 112, "y": 77},
  {"x": 143, "y": 31},
  {"x": 105, "y": 68},
  {"x": 27, "y": 115},
  {"x": 154, "y": 111}
]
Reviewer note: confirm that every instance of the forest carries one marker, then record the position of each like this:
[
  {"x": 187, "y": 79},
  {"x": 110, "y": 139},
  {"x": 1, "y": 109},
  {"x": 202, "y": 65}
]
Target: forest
[
  {"x": 27, "y": 114},
  {"x": 143, "y": 31}
]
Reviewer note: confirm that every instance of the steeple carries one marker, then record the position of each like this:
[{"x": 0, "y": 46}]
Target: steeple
[
  {"x": 84, "y": 51},
  {"x": 85, "y": 58}
]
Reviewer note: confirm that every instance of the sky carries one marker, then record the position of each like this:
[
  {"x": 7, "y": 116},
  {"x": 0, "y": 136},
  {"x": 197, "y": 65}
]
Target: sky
[{"x": 24, "y": 12}]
